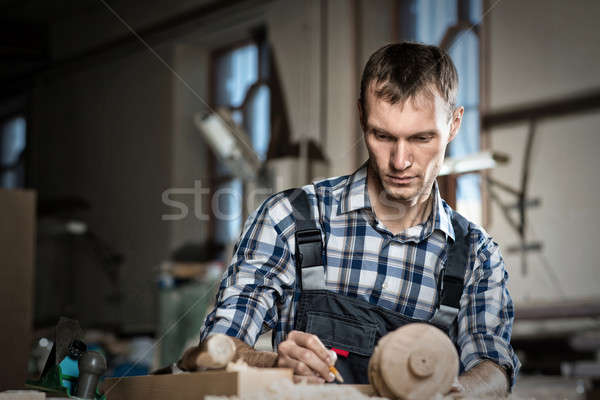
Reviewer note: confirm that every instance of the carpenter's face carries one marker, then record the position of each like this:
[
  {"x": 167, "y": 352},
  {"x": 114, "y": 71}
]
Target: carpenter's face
[{"x": 407, "y": 142}]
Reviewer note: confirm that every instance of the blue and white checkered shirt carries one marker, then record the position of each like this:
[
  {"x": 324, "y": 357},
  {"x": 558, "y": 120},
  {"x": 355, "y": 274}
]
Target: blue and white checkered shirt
[{"x": 363, "y": 260}]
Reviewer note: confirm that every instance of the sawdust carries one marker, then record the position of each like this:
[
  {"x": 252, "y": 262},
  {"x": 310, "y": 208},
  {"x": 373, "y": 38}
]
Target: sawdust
[
  {"x": 286, "y": 390},
  {"x": 239, "y": 366}
]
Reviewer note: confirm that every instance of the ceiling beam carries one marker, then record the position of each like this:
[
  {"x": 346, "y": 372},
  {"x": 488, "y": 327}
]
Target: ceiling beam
[{"x": 586, "y": 101}]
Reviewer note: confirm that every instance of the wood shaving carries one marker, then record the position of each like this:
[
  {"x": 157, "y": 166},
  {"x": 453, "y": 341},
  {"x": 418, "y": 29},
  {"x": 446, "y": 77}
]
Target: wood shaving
[
  {"x": 286, "y": 390},
  {"x": 238, "y": 366}
]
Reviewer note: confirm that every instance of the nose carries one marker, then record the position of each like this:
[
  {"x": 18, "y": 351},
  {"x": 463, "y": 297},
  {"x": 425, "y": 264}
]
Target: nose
[{"x": 401, "y": 157}]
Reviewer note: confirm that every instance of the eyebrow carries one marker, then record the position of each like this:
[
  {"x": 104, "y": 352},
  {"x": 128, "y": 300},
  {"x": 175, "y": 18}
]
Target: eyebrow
[{"x": 426, "y": 132}]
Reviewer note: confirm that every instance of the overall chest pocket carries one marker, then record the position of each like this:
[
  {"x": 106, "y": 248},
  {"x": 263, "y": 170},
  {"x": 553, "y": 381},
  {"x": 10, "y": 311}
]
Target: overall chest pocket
[{"x": 342, "y": 332}]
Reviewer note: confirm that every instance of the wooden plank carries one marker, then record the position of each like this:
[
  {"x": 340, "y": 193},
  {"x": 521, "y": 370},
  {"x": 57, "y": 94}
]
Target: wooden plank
[
  {"x": 367, "y": 390},
  {"x": 193, "y": 386}
]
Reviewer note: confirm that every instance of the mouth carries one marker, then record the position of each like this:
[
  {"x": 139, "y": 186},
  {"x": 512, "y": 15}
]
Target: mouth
[{"x": 400, "y": 180}]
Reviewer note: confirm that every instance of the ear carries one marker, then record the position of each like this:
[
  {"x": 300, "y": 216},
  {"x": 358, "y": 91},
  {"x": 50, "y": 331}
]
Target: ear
[{"x": 455, "y": 123}]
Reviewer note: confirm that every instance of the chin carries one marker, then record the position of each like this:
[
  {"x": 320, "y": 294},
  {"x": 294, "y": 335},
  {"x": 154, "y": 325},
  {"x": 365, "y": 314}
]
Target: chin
[{"x": 403, "y": 195}]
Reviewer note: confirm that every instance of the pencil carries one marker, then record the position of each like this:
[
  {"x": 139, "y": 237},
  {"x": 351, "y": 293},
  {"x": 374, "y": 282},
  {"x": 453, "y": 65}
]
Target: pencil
[{"x": 336, "y": 373}]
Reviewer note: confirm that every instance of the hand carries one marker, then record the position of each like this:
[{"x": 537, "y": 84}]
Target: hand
[{"x": 307, "y": 356}]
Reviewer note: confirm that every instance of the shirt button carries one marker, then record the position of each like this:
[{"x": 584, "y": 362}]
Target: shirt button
[{"x": 384, "y": 285}]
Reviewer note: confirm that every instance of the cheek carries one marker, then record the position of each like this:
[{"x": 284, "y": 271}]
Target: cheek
[
  {"x": 432, "y": 157},
  {"x": 378, "y": 152}
]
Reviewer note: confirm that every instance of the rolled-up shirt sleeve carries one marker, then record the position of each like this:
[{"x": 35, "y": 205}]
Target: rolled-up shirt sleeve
[
  {"x": 487, "y": 314},
  {"x": 257, "y": 281}
]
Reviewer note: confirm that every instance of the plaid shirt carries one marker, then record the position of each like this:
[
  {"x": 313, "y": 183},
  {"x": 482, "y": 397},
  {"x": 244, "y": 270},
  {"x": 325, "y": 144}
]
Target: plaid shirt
[{"x": 363, "y": 260}]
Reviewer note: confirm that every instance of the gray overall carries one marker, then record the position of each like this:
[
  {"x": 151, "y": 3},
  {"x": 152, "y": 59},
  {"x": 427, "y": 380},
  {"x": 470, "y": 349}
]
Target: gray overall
[{"x": 353, "y": 325}]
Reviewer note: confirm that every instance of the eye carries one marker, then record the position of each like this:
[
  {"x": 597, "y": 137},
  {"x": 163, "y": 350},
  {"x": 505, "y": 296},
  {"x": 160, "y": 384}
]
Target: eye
[
  {"x": 381, "y": 136},
  {"x": 422, "y": 138}
]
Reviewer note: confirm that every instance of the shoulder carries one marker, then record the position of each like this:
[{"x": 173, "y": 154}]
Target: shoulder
[
  {"x": 481, "y": 243},
  {"x": 319, "y": 192},
  {"x": 277, "y": 208},
  {"x": 327, "y": 192}
]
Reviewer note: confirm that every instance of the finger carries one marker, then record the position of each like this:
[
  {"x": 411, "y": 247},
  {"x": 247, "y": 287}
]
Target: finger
[
  {"x": 313, "y": 343},
  {"x": 299, "y": 367},
  {"x": 283, "y": 350},
  {"x": 302, "y": 369},
  {"x": 333, "y": 357},
  {"x": 307, "y": 379},
  {"x": 310, "y": 359}
]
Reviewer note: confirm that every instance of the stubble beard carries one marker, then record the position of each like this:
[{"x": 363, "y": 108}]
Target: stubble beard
[
  {"x": 420, "y": 189},
  {"x": 389, "y": 194}
]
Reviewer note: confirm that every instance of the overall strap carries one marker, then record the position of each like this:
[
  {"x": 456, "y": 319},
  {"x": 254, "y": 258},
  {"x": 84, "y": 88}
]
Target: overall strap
[
  {"x": 310, "y": 273},
  {"x": 451, "y": 280}
]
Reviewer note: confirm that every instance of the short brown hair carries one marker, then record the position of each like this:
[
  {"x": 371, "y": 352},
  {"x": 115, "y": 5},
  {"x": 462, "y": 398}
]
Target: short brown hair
[{"x": 401, "y": 71}]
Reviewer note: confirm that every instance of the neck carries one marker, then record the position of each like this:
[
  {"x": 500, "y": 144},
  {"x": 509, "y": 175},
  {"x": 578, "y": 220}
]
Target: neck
[{"x": 397, "y": 215}]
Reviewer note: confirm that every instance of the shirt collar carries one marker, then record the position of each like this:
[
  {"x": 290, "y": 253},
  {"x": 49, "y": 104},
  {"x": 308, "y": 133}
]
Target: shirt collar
[
  {"x": 355, "y": 196},
  {"x": 443, "y": 221}
]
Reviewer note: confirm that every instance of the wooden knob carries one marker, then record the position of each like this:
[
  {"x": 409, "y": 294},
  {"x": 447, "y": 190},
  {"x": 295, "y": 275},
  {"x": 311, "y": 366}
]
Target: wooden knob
[
  {"x": 422, "y": 363},
  {"x": 416, "y": 361}
]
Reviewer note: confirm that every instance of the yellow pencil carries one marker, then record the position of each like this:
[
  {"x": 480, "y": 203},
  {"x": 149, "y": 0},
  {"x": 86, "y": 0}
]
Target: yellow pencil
[{"x": 336, "y": 373}]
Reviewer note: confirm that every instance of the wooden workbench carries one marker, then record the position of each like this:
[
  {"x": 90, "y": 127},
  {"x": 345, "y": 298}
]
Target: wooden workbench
[{"x": 194, "y": 386}]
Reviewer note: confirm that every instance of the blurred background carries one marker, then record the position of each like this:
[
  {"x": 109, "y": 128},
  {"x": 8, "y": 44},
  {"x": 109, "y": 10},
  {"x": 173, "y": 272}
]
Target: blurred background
[{"x": 137, "y": 136}]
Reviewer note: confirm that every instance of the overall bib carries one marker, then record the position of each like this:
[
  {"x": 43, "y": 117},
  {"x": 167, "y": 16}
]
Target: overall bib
[{"x": 354, "y": 326}]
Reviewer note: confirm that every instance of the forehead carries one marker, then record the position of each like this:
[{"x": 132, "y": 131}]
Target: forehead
[{"x": 425, "y": 110}]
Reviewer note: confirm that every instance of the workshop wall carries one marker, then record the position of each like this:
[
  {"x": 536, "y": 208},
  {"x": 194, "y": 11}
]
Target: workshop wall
[
  {"x": 118, "y": 132},
  {"x": 541, "y": 51},
  {"x": 96, "y": 24},
  {"x": 104, "y": 134},
  {"x": 189, "y": 154}
]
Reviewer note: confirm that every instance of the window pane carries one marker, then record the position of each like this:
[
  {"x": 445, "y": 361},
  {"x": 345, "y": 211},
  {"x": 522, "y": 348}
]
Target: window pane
[
  {"x": 12, "y": 145},
  {"x": 227, "y": 209},
  {"x": 258, "y": 121},
  {"x": 433, "y": 19},
  {"x": 236, "y": 71}
]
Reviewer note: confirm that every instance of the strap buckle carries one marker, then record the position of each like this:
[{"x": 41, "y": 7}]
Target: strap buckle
[
  {"x": 444, "y": 317},
  {"x": 308, "y": 247}
]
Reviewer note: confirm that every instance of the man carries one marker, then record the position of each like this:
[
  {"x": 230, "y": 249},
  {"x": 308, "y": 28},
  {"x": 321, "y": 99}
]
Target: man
[{"x": 386, "y": 235}]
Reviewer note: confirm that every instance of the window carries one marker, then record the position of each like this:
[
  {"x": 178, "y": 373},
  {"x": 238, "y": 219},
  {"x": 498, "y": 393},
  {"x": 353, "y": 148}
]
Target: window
[
  {"x": 237, "y": 71},
  {"x": 12, "y": 151}
]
